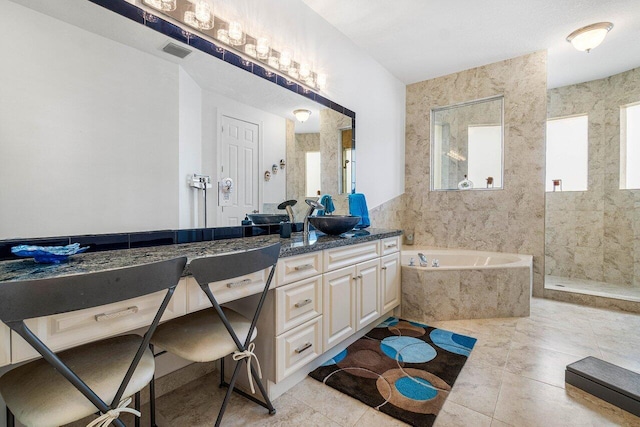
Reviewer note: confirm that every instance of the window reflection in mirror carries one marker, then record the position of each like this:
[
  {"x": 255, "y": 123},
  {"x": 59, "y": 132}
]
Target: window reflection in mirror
[
  {"x": 346, "y": 160},
  {"x": 313, "y": 177},
  {"x": 467, "y": 145}
]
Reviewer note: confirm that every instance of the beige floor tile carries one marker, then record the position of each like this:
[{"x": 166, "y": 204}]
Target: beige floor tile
[
  {"x": 524, "y": 402},
  {"x": 454, "y": 415},
  {"x": 498, "y": 423},
  {"x": 378, "y": 419},
  {"x": 477, "y": 388},
  {"x": 328, "y": 401},
  {"x": 580, "y": 343},
  {"x": 539, "y": 363},
  {"x": 623, "y": 352}
]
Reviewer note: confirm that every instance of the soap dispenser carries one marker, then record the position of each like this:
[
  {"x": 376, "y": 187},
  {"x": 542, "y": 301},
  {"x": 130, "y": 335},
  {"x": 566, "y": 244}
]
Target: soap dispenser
[{"x": 246, "y": 231}]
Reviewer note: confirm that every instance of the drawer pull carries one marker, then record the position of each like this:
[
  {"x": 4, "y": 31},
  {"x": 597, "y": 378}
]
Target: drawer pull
[
  {"x": 383, "y": 268},
  {"x": 108, "y": 316},
  {"x": 303, "y": 267},
  {"x": 303, "y": 347},
  {"x": 390, "y": 245},
  {"x": 239, "y": 283},
  {"x": 303, "y": 303}
]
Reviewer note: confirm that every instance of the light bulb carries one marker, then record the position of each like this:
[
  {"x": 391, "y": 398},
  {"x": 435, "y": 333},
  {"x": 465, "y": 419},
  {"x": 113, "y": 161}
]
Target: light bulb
[
  {"x": 236, "y": 36},
  {"x": 262, "y": 48}
]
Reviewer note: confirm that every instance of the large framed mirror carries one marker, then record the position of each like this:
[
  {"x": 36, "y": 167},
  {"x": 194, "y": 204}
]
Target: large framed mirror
[
  {"x": 467, "y": 145},
  {"x": 102, "y": 128}
]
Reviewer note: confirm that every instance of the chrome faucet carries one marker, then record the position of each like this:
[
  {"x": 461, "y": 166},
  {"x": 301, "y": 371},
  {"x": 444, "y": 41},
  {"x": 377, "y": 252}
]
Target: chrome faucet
[
  {"x": 287, "y": 206},
  {"x": 313, "y": 205},
  {"x": 424, "y": 262}
]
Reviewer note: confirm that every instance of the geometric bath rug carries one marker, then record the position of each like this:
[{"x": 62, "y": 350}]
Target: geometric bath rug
[{"x": 404, "y": 369}]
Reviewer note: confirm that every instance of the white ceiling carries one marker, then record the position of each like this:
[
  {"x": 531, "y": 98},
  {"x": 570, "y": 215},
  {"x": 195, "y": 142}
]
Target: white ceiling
[{"x": 418, "y": 40}]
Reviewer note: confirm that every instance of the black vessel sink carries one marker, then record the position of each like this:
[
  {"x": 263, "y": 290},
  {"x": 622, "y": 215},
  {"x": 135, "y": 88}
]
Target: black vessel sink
[
  {"x": 262, "y": 219},
  {"x": 334, "y": 224}
]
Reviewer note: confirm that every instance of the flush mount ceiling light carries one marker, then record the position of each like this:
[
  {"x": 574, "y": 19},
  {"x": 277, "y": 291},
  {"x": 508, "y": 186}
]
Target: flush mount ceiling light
[
  {"x": 302, "y": 115},
  {"x": 586, "y": 38},
  {"x": 198, "y": 17}
]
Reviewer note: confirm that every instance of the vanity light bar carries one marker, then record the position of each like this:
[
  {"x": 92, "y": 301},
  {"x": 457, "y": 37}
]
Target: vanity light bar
[{"x": 198, "y": 16}]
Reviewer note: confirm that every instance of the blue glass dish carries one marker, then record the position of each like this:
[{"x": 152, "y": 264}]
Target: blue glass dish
[{"x": 48, "y": 254}]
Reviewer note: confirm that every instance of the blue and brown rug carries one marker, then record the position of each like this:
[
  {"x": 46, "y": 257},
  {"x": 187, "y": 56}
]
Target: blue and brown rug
[{"x": 404, "y": 369}]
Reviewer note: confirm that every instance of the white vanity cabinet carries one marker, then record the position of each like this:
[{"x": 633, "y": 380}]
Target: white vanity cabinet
[
  {"x": 367, "y": 293},
  {"x": 389, "y": 282},
  {"x": 339, "y": 305}
]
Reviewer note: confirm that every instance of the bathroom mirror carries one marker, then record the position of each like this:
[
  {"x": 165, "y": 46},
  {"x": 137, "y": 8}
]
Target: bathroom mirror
[
  {"x": 467, "y": 145},
  {"x": 318, "y": 157},
  {"x": 100, "y": 128}
]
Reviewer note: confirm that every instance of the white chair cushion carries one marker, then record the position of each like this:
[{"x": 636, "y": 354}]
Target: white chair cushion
[
  {"x": 39, "y": 396},
  {"x": 201, "y": 336}
]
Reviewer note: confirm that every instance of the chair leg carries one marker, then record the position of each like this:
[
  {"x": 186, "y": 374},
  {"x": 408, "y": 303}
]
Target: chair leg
[
  {"x": 11, "y": 420},
  {"x": 222, "y": 381},
  {"x": 152, "y": 401},
  {"x": 136, "y": 405},
  {"x": 267, "y": 401},
  {"x": 227, "y": 396}
]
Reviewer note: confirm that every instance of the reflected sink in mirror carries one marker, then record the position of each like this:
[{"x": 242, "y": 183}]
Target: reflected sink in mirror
[
  {"x": 262, "y": 219},
  {"x": 334, "y": 224}
]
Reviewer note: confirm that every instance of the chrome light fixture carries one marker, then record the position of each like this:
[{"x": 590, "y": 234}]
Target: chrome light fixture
[
  {"x": 586, "y": 38},
  {"x": 198, "y": 15},
  {"x": 302, "y": 115}
]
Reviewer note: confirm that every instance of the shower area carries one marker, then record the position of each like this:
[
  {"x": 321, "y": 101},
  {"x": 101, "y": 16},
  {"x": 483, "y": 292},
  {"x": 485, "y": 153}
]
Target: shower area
[{"x": 592, "y": 225}]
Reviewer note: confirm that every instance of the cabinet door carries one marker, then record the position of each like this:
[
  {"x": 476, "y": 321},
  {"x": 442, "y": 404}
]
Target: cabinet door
[
  {"x": 367, "y": 289},
  {"x": 338, "y": 300},
  {"x": 390, "y": 282}
]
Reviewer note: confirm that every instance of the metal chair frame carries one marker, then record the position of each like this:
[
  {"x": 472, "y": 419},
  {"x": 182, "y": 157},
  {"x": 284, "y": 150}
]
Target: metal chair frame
[
  {"x": 225, "y": 267},
  {"x": 21, "y": 300}
]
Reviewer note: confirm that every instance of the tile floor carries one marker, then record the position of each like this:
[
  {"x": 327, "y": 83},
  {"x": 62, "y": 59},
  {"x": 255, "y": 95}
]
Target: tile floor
[
  {"x": 590, "y": 287},
  {"x": 514, "y": 377}
]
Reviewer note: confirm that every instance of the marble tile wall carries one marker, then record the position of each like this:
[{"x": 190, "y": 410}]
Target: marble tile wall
[
  {"x": 595, "y": 234},
  {"x": 429, "y": 295},
  {"x": 507, "y": 220}
]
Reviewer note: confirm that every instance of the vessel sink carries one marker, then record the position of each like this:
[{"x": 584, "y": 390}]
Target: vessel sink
[
  {"x": 262, "y": 219},
  {"x": 334, "y": 224}
]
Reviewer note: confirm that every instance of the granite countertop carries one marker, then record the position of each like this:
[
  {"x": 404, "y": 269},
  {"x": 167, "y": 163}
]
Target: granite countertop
[{"x": 27, "y": 269}]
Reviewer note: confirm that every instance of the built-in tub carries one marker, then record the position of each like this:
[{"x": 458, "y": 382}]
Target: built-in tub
[{"x": 466, "y": 285}]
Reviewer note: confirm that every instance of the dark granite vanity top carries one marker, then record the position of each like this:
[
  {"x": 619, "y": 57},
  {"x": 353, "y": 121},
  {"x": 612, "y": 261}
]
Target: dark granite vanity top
[{"x": 27, "y": 269}]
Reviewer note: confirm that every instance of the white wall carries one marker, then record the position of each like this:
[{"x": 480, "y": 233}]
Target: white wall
[
  {"x": 63, "y": 135},
  {"x": 272, "y": 135},
  {"x": 191, "y": 208},
  {"x": 355, "y": 80}
]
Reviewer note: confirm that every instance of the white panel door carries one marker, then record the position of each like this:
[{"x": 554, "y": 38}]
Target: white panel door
[
  {"x": 367, "y": 299},
  {"x": 239, "y": 161},
  {"x": 390, "y": 282},
  {"x": 339, "y": 305}
]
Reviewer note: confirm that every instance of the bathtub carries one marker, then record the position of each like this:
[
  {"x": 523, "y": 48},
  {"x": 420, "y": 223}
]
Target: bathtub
[{"x": 467, "y": 284}]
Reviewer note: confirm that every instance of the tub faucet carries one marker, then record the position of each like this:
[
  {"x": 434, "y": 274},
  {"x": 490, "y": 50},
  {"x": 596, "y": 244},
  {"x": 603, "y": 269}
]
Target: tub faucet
[
  {"x": 436, "y": 263},
  {"x": 412, "y": 262},
  {"x": 423, "y": 260}
]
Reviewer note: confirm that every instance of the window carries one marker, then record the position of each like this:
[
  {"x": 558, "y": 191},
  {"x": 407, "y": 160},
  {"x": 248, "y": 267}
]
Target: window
[
  {"x": 313, "y": 175},
  {"x": 630, "y": 146},
  {"x": 484, "y": 143},
  {"x": 567, "y": 153}
]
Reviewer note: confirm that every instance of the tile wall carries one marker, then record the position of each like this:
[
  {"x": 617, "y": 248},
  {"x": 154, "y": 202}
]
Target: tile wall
[
  {"x": 507, "y": 220},
  {"x": 595, "y": 234}
]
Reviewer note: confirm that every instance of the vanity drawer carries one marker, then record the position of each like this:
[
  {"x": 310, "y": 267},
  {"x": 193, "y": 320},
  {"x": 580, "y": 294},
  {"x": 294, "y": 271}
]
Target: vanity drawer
[
  {"x": 389, "y": 245},
  {"x": 298, "y": 347},
  {"x": 292, "y": 269},
  {"x": 226, "y": 290},
  {"x": 297, "y": 303},
  {"x": 346, "y": 256},
  {"x": 74, "y": 328}
]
